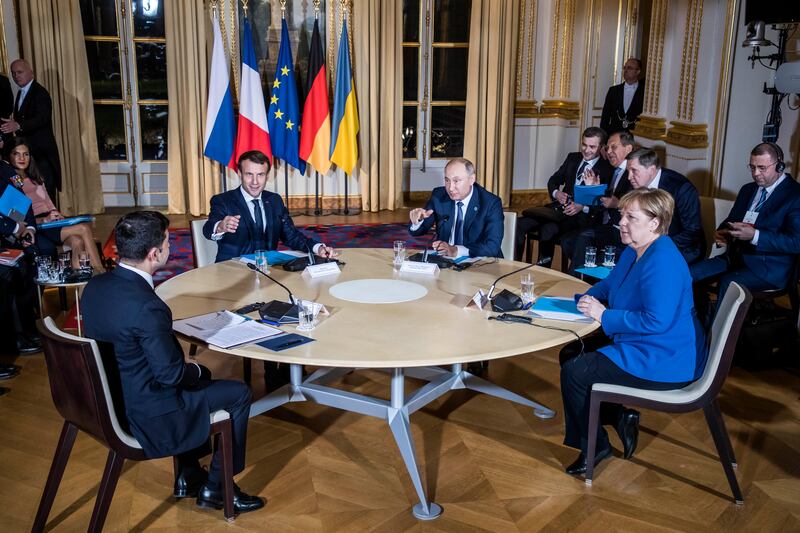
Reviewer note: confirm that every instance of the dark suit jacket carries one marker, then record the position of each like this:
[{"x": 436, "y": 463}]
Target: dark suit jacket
[
  {"x": 7, "y": 225},
  {"x": 623, "y": 186},
  {"x": 279, "y": 225},
  {"x": 778, "y": 226},
  {"x": 565, "y": 175},
  {"x": 6, "y": 97},
  {"x": 483, "y": 221},
  {"x": 36, "y": 121},
  {"x": 686, "y": 229},
  {"x": 614, "y": 108},
  {"x": 122, "y": 312}
]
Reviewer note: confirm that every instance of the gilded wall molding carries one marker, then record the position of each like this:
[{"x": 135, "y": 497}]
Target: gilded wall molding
[
  {"x": 526, "y": 49},
  {"x": 689, "y": 59},
  {"x": 3, "y": 47},
  {"x": 531, "y": 36},
  {"x": 566, "y": 51},
  {"x": 687, "y": 135},
  {"x": 520, "y": 46},
  {"x": 565, "y": 109},
  {"x": 526, "y": 109},
  {"x": 723, "y": 95},
  {"x": 554, "y": 54},
  {"x": 650, "y": 127},
  {"x": 655, "y": 59}
]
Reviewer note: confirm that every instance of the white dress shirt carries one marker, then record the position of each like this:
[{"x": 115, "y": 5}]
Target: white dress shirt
[
  {"x": 628, "y": 91},
  {"x": 147, "y": 277},
  {"x": 23, "y": 93}
]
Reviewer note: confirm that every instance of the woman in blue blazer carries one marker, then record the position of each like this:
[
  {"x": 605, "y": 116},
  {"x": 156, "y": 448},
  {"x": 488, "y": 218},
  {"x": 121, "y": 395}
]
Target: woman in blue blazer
[{"x": 652, "y": 339}]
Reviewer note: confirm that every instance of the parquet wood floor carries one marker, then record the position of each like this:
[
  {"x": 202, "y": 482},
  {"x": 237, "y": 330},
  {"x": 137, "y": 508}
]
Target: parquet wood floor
[{"x": 491, "y": 464}]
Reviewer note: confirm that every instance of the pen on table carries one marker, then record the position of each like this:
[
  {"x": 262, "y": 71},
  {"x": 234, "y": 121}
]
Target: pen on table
[
  {"x": 289, "y": 344},
  {"x": 270, "y": 322}
]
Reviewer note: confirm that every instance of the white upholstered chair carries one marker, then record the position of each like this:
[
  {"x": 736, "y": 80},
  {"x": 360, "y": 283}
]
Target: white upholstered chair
[
  {"x": 509, "y": 234},
  {"x": 205, "y": 250}
]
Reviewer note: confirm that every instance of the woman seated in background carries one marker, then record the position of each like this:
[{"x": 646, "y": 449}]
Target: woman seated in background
[
  {"x": 78, "y": 236},
  {"x": 652, "y": 338}
]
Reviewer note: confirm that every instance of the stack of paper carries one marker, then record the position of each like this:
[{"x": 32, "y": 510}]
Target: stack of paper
[
  {"x": 558, "y": 309},
  {"x": 224, "y": 329}
]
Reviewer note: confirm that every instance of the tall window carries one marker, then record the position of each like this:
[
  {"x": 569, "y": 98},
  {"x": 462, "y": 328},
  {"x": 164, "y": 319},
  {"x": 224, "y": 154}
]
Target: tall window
[{"x": 435, "y": 55}]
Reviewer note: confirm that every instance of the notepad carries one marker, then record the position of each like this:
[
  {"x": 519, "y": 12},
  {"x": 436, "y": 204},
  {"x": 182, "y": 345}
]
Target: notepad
[
  {"x": 588, "y": 194},
  {"x": 224, "y": 329},
  {"x": 554, "y": 308},
  {"x": 14, "y": 204}
]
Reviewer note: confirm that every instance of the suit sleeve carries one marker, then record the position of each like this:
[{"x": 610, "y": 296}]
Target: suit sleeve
[
  {"x": 659, "y": 286},
  {"x": 218, "y": 212},
  {"x": 7, "y": 226},
  {"x": 290, "y": 235},
  {"x": 39, "y": 114},
  {"x": 557, "y": 179},
  {"x": 492, "y": 236},
  {"x": 687, "y": 207},
  {"x": 608, "y": 109},
  {"x": 783, "y": 240},
  {"x": 163, "y": 353}
]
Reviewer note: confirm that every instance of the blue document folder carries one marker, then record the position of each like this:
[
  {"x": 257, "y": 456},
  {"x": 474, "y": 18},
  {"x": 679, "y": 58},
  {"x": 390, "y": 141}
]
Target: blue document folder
[
  {"x": 599, "y": 272},
  {"x": 71, "y": 221},
  {"x": 588, "y": 194},
  {"x": 14, "y": 204},
  {"x": 558, "y": 309},
  {"x": 273, "y": 256}
]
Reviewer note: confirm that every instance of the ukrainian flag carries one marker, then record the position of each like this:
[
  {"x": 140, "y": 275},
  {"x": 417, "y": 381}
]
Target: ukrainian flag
[{"x": 344, "y": 146}]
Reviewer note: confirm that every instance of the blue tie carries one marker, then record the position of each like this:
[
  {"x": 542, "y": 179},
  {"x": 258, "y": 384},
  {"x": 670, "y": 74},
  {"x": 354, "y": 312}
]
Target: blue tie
[
  {"x": 762, "y": 199},
  {"x": 259, "y": 242},
  {"x": 459, "y": 237}
]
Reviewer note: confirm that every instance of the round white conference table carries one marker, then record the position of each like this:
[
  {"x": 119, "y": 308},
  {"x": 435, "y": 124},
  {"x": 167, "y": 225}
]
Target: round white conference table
[{"x": 428, "y": 336}]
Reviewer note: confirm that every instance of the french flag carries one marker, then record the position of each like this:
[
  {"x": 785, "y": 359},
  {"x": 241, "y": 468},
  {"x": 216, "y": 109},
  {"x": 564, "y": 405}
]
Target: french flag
[
  {"x": 253, "y": 131},
  {"x": 220, "y": 122}
]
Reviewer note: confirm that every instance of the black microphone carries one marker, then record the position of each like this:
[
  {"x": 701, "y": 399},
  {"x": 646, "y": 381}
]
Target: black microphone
[
  {"x": 251, "y": 266},
  {"x": 505, "y": 300},
  {"x": 445, "y": 218},
  {"x": 311, "y": 260}
]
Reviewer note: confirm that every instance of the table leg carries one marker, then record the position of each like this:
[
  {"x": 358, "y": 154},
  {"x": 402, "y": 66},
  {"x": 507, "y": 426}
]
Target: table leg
[{"x": 487, "y": 387}]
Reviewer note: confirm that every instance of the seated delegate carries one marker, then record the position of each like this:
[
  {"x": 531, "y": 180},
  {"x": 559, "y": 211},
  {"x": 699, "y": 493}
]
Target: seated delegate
[{"x": 651, "y": 336}]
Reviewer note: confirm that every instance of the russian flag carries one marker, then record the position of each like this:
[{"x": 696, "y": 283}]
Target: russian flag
[
  {"x": 344, "y": 150},
  {"x": 220, "y": 122},
  {"x": 253, "y": 131},
  {"x": 315, "y": 135}
]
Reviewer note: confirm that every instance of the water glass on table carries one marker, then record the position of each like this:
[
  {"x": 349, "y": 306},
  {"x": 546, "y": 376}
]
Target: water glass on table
[
  {"x": 43, "y": 265},
  {"x": 609, "y": 256},
  {"x": 305, "y": 315},
  {"x": 262, "y": 261},
  {"x": 590, "y": 259},
  {"x": 85, "y": 262},
  {"x": 526, "y": 288},
  {"x": 399, "y": 254}
]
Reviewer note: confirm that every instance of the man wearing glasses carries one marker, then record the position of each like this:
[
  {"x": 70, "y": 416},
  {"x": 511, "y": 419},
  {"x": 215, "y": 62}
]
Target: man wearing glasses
[
  {"x": 762, "y": 232},
  {"x": 624, "y": 102}
]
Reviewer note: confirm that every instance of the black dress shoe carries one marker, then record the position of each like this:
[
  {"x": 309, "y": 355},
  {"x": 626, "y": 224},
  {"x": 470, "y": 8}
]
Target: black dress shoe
[
  {"x": 628, "y": 431},
  {"x": 8, "y": 371},
  {"x": 579, "y": 466},
  {"x": 212, "y": 498},
  {"x": 189, "y": 481},
  {"x": 28, "y": 346}
]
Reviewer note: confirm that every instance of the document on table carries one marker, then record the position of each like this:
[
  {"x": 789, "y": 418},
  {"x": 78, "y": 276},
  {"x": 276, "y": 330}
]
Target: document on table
[
  {"x": 557, "y": 308},
  {"x": 224, "y": 329}
]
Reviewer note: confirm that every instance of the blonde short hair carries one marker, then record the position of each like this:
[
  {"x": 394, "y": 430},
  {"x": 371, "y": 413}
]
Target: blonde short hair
[{"x": 655, "y": 203}]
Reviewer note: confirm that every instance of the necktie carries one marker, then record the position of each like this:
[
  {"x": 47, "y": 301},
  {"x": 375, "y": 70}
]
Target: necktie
[
  {"x": 762, "y": 199},
  {"x": 259, "y": 241},
  {"x": 614, "y": 180},
  {"x": 579, "y": 175},
  {"x": 17, "y": 101},
  {"x": 459, "y": 237}
]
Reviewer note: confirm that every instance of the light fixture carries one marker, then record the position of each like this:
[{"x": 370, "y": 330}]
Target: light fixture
[{"x": 755, "y": 35}]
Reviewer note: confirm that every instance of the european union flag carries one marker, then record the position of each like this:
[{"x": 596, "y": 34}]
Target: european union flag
[{"x": 283, "y": 115}]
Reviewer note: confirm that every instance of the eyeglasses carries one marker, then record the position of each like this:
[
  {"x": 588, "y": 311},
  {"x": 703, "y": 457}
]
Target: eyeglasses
[{"x": 760, "y": 168}]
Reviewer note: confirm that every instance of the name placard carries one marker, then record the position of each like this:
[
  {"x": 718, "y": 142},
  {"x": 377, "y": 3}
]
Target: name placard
[
  {"x": 479, "y": 300},
  {"x": 322, "y": 269},
  {"x": 414, "y": 267}
]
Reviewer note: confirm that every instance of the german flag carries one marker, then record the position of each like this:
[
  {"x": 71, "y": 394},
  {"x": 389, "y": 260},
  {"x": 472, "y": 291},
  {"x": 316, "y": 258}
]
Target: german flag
[{"x": 315, "y": 133}]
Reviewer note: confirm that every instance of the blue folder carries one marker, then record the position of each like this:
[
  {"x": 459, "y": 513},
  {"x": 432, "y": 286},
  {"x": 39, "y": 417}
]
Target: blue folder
[
  {"x": 71, "y": 221},
  {"x": 14, "y": 204},
  {"x": 588, "y": 194},
  {"x": 273, "y": 256},
  {"x": 599, "y": 272}
]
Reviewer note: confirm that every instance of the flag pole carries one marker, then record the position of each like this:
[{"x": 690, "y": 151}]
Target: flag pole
[
  {"x": 316, "y": 193},
  {"x": 346, "y": 201},
  {"x": 286, "y": 183},
  {"x": 223, "y": 182}
]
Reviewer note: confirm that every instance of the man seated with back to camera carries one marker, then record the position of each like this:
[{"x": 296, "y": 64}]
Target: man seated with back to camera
[
  {"x": 168, "y": 401},
  {"x": 761, "y": 233},
  {"x": 563, "y": 214},
  {"x": 250, "y": 218}
]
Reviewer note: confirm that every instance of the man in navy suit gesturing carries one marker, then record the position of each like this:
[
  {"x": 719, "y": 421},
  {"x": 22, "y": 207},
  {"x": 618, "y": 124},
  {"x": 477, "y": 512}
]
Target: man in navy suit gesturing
[{"x": 469, "y": 219}]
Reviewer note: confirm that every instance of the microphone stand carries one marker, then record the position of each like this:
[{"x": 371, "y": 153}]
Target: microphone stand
[{"x": 292, "y": 299}]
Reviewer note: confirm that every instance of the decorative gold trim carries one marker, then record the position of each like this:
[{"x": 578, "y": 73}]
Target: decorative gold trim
[
  {"x": 723, "y": 94},
  {"x": 554, "y": 55},
  {"x": 3, "y": 48},
  {"x": 531, "y": 48},
  {"x": 328, "y": 204},
  {"x": 686, "y": 135},
  {"x": 520, "y": 47},
  {"x": 524, "y": 198},
  {"x": 651, "y": 127},
  {"x": 697, "y": 33},
  {"x": 631, "y": 27},
  {"x": 658, "y": 23},
  {"x": 565, "y": 109},
  {"x": 526, "y": 109}
]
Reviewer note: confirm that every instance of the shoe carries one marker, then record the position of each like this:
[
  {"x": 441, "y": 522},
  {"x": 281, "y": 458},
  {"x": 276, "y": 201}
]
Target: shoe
[
  {"x": 579, "y": 466},
  {"x": 628, "y": 431},
  {"x": 28, "y": 346},
  {"x": 212, "y": 498},
  {"x": 189, "y": 481},
  {"x": 8, "y": 371},
  {"x": 478, "y": 368}
]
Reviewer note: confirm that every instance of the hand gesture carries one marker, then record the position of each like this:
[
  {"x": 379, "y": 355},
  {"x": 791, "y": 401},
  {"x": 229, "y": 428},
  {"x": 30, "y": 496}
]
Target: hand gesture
[
  {"x": 590, "y": 177},
  {"x": 327, "y": 252},
  {"x": 9, "y": 125},
  {"x": 445, "y": 249},
  {"x": 229, "y": 224},
  {"x": 610, "y": 202},
  {"x": 573, "y": 209},
  {"x": 591, "y": 307},
  {"x": 722, "y": 236},
  {"x": 562, "y": 197},
  {"x": 742, "y": 231},
  {"x": 419, "y": 214}
]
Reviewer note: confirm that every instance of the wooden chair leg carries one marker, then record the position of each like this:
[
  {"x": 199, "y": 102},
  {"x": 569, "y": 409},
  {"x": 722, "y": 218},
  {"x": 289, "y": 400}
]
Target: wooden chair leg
[
  {"x": 564, "y": 262},
  {"x": 65, "y": 443},
  {"x": 225, "y": 435},
  {"x": 528, "y": 248},
  {"x": 106, "y": 492},
  {"x": 247, "y": 368},
  {"x": 591, "y": 448},
  {"x": 723, "y": 444},
  {"x": 62, "y": 297}
]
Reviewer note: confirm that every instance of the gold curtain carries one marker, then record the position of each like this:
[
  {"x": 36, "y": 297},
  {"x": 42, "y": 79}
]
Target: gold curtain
[
  {"x": 192, "y": 178},
  {"x": 489, "y": 121},
  {"x": 378, "y": 72},
  {"x": 52, "y": 42}
]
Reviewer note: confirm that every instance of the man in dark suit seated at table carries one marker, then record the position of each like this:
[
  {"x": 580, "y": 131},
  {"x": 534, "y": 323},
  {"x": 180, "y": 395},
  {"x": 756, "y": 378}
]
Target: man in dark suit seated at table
[
  {"x": 563, "y": 214},
  {"x": 468, "y": 218},
  {"x": 168, "y": 401},
  {"x": 249, "y": 218},
  {"x": 762, "y": 231}
]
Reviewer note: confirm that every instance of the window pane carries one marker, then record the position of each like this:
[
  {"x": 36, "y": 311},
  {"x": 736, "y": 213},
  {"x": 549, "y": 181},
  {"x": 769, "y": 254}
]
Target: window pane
[
  {"x": 109, "y": 122},
  {"x": 104, "y": 72},
  {"x": 99, "y": 17},
  {"x": 151, "y": 68},
  {"x": 148, "y": 18},
  {"x": 410, "y": 21},
  {"x": 153, "y": 122},
  {"x": 447, "y": 131},
  {"x": 410, "y": 73},
  {"x": 449, "y": 74},
  {"x": 410, "y": 131},
  {"x": 451, "y": 21}
]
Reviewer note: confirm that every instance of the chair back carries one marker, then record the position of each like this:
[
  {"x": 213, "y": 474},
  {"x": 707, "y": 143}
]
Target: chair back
[
  {"x": 205, "y": 250},
  {"x": 724, "y": 335},
  {"x": 712, "y": 212},
  {"x": 509, "y": 234},
  {"x": 80, "y": 387}
]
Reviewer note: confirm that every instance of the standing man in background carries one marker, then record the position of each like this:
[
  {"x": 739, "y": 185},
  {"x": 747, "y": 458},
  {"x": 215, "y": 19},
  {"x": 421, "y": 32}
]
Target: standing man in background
[{"x": 624, "y": 102}]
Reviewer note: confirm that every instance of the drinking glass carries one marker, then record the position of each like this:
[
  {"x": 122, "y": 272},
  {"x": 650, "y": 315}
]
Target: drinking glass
[
  {"x": 64, "y": 259},
  {"x": 43, "y": 263},
  {"x": 526, "y": 288},
  {"x": 609, "y": 256},
  {"x": 85, "y": 262},
  {"x": 590, "y": 257},
  {"x": 399, "y": 254},
  {"x": 305, "y": 315},
  {"x": 262, "y": 261}
]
